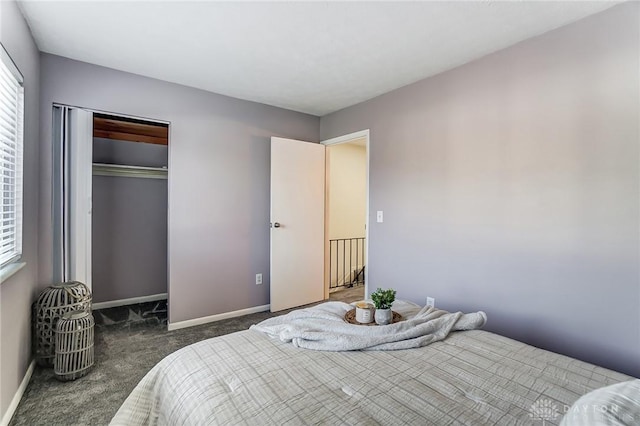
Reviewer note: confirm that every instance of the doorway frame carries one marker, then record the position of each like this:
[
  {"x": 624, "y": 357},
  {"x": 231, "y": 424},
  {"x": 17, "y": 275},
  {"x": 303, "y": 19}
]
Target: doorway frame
[
  {"x": 167, "y": 295},
  {"x": 366, "y": 134}
]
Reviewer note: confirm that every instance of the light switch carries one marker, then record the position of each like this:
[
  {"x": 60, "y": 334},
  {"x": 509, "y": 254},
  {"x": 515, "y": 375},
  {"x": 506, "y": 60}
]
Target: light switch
[{"x": 379, "y": 217}]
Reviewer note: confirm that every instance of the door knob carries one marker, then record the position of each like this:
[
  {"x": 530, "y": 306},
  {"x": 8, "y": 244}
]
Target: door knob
[{"x": 276, "y": 225}]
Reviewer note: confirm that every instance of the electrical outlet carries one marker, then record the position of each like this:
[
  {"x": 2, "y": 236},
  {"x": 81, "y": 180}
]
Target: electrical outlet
[
  {"x": 431, "y": 301},
  {"x": 258, "y": 279}
]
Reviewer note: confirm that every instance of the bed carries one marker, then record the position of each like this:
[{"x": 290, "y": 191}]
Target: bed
[{"x": 472, "y": 377}]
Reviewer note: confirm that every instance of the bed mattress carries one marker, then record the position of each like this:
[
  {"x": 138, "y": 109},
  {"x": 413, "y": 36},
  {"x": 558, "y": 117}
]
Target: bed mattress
[{"x": 473, "y": 377}]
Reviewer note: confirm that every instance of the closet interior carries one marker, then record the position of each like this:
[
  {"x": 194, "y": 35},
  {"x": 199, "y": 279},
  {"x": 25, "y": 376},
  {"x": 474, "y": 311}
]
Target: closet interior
[{"x": 129, "y": 212}]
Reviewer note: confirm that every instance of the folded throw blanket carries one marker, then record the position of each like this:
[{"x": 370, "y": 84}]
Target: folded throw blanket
[{"x": 323, "y": 328}]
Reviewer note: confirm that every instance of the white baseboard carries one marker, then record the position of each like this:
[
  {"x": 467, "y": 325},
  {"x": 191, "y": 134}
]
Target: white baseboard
[
  {"x": 217, "y": 317},
  {"x": 131, "y": 301},
  {"x": 18, "y": 395}
]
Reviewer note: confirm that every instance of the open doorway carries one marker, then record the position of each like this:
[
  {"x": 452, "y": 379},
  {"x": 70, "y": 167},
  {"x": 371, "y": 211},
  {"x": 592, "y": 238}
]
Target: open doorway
[
  {"x": 129, "y": 219},
  {"x": 300, "y": 232},
  {"x": 346, "y": 212},
  {"x": 111, "y": 210}
]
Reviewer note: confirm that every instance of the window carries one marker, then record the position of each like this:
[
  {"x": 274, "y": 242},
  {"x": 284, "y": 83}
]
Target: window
[{"x": 11, "y": 134}]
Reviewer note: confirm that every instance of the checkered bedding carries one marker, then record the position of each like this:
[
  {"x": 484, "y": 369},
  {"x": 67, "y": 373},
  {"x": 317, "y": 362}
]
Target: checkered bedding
[{"x": 473, "y": 377}]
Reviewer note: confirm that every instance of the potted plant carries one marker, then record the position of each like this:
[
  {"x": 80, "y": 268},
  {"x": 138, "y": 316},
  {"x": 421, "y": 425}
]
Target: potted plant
[{"x": 382, "y": 300}]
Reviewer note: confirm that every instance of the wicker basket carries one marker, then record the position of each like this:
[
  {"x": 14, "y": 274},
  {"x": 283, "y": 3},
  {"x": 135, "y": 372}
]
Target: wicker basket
[
  {"x": 74, "y": 345},
  {"x": 52, "y": 303}
]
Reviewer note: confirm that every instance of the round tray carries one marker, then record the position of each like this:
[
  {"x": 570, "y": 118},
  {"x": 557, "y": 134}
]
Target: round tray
[{"x": 350, "y": 317}]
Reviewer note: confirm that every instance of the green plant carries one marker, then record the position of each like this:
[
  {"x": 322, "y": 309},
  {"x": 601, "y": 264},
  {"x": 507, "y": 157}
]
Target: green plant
[{"x": 382, "y": 299}]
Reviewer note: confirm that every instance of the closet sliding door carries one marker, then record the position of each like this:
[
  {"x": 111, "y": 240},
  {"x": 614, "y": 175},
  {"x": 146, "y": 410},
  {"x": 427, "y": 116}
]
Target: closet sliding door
[{"x": 72, "y": 187}]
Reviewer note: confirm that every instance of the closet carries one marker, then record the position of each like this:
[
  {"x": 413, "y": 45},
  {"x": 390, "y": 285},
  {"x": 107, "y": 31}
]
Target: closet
[{"x": 129, "y": 210}]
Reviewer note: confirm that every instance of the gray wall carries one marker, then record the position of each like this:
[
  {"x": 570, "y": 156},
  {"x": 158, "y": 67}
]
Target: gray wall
[
  {"x": 129, "y": 224},
  {"x": 511, "y": 185},
  {"x": 111, "y": 151},
  {"x": 129, "y": 233},
  {"x": 17, "y": 293},
  {"x": 218, "y": 178}
]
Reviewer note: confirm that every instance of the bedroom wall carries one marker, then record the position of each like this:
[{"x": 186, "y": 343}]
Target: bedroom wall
[
  {"x": 219, "y": 168},
  {"x": 511, "y": 185},
  {"x": 18, "y": 291}
]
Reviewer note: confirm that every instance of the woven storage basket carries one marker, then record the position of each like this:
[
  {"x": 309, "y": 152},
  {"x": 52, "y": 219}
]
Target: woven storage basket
[
  {"x": 74, "y": 345},
  {"x": 52, "y": 303}
]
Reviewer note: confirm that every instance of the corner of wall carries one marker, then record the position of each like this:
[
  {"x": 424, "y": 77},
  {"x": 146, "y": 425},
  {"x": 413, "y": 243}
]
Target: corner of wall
[{"x": 18, "y": 291}]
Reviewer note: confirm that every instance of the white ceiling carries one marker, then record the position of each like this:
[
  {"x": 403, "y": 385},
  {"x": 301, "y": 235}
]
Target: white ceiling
[{"x": 314, "y": 57}]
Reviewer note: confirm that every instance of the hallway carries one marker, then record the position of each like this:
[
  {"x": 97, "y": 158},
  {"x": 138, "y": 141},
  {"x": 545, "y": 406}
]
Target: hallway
[{"x": 348, "y": 295}]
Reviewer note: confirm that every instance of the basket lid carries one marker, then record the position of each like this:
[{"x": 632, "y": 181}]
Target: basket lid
[
  {"x": 75, "y": 315},
  {"x": 68, "y": 284}
]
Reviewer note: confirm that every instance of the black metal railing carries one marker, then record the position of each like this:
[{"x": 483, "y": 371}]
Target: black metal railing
[{"x": 346, "y": 262}]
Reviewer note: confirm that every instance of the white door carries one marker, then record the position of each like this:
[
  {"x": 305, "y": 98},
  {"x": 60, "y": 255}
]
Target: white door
[
  {"x": 297, "y": 223},
  {"x": 78, "y": 208}
]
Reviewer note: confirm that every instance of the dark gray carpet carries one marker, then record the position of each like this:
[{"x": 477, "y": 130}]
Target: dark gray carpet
[{"x": 125, "y": 351}]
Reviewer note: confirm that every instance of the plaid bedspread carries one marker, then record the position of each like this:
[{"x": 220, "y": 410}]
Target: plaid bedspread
[{"x": 472, "y": 377}]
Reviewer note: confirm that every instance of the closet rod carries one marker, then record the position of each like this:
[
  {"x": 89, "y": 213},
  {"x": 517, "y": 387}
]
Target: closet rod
[{"x": 121, "y": 170}]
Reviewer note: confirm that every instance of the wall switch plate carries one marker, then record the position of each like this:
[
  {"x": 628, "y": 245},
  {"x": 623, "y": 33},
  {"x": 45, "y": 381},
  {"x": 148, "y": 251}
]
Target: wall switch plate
[
  {"x": 379, "y": 216},
  {"x": 431, "y": 301},
  {"x": 258, "y": 279}
]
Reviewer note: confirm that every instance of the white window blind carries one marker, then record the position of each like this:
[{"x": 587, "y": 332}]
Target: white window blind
[{"x": 11, "y": 135}]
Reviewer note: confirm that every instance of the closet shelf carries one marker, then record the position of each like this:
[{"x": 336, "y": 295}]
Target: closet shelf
[{"x": 101, "y": 169}]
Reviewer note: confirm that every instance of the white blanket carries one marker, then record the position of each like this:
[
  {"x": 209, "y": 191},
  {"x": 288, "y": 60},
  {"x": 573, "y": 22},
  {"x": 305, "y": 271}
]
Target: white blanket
[{"x": 323, "y": 328}]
